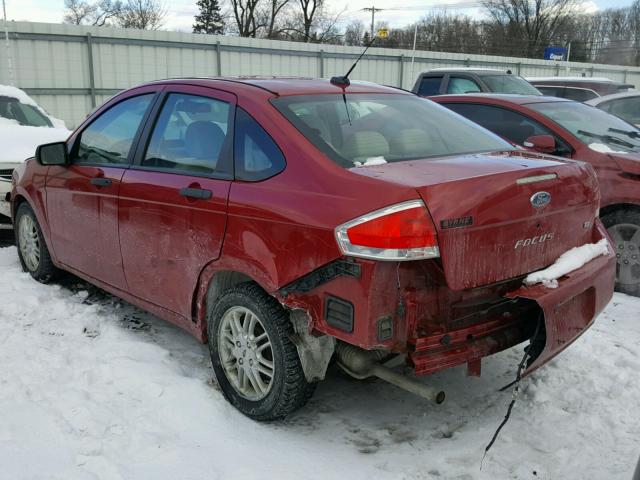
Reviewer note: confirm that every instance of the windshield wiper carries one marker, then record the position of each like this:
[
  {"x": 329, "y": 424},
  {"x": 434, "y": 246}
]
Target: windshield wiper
[
  {"x": 628, "y": 133},
  {"x": 607, "y": 138}
]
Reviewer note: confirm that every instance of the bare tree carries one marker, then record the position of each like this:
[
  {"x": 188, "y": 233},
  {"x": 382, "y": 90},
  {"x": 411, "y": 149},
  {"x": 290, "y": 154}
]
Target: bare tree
[
  {"x": 308, "y": 9},
  {"x": 142, "y": 14},
  {"x": 246, "y": 16},
  {"x": 353, "y": 33},
  {"x": 276, "y": 8},
  {"x": 82, "y": 12},
  {"x": 530, "y": 23}
]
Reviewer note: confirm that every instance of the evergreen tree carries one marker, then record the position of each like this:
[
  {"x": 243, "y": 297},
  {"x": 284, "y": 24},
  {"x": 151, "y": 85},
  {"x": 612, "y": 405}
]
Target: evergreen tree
[{"x": 209, "y": 19}]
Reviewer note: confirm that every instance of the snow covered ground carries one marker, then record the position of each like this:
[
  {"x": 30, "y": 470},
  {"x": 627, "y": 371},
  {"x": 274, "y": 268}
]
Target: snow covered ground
[{"x": 91, "y": 388}]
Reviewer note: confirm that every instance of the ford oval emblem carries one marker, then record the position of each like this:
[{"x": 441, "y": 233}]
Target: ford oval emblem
[{"x": 540, "y": 199}]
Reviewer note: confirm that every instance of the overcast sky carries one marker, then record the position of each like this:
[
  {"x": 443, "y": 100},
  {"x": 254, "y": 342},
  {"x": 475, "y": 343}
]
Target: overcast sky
[{"x": 181, "y": 12}]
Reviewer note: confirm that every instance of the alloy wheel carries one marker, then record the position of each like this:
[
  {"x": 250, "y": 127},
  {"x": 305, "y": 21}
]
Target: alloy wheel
[
  {"x": 29, "y": 242},
  {"x": 626, "y": 237},
  {"x": 246, "y": 353}
]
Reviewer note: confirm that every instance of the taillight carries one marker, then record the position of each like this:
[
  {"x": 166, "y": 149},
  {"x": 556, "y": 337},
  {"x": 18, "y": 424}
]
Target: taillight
[{"x": 399, "y": 232}]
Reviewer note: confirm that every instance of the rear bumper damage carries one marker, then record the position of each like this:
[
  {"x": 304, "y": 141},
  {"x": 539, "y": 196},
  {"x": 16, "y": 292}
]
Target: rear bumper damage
[{"x": 567, "y": 311}]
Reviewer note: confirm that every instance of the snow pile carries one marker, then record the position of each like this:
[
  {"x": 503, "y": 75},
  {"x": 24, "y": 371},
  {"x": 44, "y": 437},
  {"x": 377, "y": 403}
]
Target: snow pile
[
  {"x": 91, "y": 388},
  {"x": 568, "y": 262},
  {"x": 602, "y": 148},
  {"x": 371, "y": 161}
]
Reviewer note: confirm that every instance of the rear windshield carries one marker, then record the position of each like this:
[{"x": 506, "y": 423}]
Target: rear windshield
[
  {"x": 370, "y": 129},
  {"x": 509, "y": 84}
]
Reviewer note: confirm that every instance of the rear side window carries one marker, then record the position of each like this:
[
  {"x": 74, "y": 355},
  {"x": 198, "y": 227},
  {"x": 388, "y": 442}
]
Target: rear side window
[
  {"x": 257, "y": 157},
  {"x": 109, "y": 138},
  {"x": 462, "y": 85},
  {"x": 191, "y": 137},
  {"x": 579, "y": 94},
  {"x": 551, "y": 91},
  {"x": 508, "y": 124},
  {"x": 430, "y": 86}
]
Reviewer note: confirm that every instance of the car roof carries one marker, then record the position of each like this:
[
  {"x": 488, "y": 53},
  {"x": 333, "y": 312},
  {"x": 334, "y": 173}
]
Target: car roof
[
  {"x": 283, "y": 86},
  {"x": 476, "y": 70},
  {"x": 571, "y": 79},
  {"x": 613, "y": 96},
  {"x": 503, "y": 97}
]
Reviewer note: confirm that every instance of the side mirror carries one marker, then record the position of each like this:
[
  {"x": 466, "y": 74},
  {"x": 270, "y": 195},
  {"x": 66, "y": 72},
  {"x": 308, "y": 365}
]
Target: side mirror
[
  {"x": 541, "y": 143},
  {"x": 52, "y": 154}
]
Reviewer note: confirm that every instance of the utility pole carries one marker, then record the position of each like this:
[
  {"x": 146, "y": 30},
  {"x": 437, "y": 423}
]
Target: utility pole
[
  {"x": 373, "y": 11},
  {"x": 6, "y": 41}
]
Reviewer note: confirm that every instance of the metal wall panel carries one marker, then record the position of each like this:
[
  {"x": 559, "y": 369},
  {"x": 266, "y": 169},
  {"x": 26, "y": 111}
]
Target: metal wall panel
[{"x": 71, "y": 69}]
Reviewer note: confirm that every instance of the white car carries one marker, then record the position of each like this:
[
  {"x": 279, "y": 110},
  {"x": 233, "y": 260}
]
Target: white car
[
  {"x": 23, "y": 126},
  {"x": 625, "y": 105}
]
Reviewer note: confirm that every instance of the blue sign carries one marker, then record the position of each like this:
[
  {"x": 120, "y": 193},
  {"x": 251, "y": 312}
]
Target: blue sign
[{"x": 555, "y": 53}]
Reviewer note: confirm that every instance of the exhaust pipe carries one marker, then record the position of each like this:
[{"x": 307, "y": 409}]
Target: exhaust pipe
[{"x": 366, "y": 363}]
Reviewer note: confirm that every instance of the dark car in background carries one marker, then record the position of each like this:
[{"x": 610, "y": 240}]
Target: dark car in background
[
  {"x": 470, "y": 80},
  {"x": 574, "y": 130},
  {"x": 625, "y": 105},
  {"x": 579, "y": 89}
]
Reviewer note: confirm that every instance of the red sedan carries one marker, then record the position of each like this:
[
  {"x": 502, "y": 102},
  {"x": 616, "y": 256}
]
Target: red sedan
[
  {"x": 287, "y": 221},
  {"x": 574, "y": 130}
]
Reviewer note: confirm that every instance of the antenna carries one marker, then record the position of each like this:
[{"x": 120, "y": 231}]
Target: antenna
[{"x": 344, "y": 80}]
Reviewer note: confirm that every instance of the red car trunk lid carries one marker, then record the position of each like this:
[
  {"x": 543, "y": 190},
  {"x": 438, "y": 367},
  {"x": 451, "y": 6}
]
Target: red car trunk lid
[{"x": 490, "y": 213}]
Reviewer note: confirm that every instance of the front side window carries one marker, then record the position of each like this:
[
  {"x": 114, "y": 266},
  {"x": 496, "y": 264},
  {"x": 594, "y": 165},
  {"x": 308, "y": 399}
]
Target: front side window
[
  {"x": 191, "y": 136},
  {"x": 509, "y": 84},
  {"x": 366, "y": 129},
  {"x": 462, "y": 85},
  {"x": 506, "y": 123},
  {"x": 597, "y": 128},
  {"x": 511, "y": 125},
  {"x": 430, "y": 86},
  {"x": 108, "y": 139},
  {"x": 257, "y": 157}
]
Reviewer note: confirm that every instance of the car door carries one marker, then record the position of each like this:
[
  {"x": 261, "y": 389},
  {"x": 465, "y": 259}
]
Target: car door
[
  {"x": 82, "y": 197},
  {"x": 173, "y": 200}
]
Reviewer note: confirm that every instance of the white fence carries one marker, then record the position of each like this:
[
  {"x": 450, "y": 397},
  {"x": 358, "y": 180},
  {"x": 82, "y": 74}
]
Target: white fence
[{"x": 71, "y": 69}]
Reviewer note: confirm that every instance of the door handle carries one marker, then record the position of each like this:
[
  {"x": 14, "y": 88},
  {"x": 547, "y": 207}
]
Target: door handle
[
  {"x": 101, "y": 181},
  {"x": 197, "y": 193}
]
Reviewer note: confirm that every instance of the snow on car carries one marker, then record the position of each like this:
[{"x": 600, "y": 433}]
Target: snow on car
[{"x": 23, "y": 126}]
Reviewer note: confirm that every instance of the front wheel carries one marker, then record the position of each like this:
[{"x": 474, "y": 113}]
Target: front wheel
[
  {"x": 32, "y": 249},
  {"x": 254, "y": 360},
  {"x": 624, "y": 228}
]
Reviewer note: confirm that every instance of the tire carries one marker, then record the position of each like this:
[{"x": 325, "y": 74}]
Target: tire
[
  {"x": 229, "y": 321},
  {"x": 32, "y": 249},
  {"x": 624, "y": 228}
]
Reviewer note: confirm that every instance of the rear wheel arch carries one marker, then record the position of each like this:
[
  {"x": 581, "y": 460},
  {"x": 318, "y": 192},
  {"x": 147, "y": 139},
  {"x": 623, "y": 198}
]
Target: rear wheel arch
[
  {"x": 615, "y": 207},
  {"x": 314, "y": 352}
]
